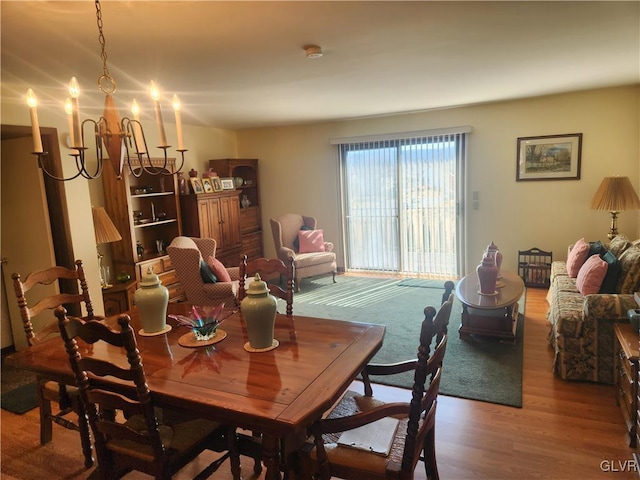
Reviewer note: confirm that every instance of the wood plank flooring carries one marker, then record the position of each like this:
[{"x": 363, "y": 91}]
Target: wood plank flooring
[{"x": 565, "y": 430}]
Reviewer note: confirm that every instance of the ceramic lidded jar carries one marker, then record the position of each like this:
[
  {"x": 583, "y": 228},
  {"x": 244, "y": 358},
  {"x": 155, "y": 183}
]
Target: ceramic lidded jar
[
  {"x": 152, "y": 299},
  {"x": 259, "y": 312},
  {"x": 487, "y": 273},
  {"x": 493, "y": 250}
]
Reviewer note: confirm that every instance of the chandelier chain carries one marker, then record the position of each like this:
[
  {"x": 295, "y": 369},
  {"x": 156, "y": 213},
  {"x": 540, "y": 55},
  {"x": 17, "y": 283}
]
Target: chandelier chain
[{"x": 106, "y": 82}]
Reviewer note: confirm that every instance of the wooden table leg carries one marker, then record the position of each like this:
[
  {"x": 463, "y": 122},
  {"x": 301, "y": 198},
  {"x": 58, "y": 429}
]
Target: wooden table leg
[{"x": 271, "y": 456}]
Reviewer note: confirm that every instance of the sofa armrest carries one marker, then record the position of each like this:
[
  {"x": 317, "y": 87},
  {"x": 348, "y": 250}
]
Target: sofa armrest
[
  {"x": 328, "y": 246},
  {"x": 285, "y": 253},
  {"x": 607, "y": 306}
]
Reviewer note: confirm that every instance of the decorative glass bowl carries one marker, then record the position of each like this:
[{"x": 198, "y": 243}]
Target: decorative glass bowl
[{"x": 203, "y": 321}]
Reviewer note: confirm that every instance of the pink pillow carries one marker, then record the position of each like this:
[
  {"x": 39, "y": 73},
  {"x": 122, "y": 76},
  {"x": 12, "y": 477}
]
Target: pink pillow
[
  {"x": 591, "y": 275},
  {"x": 577, "y": 257},
  {"x": 311, "y": 241},
  {"x": 218, "y": 269}
]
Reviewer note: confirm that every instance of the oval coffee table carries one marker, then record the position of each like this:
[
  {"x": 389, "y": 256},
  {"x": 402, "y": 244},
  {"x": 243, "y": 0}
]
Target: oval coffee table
[{"x": 492, "y": 315}]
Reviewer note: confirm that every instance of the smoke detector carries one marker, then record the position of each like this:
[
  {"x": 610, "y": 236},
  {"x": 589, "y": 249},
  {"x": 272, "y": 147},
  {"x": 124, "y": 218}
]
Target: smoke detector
[{"x": 313, "y": 51}]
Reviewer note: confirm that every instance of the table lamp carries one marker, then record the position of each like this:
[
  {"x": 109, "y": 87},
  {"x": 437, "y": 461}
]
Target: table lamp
[
  {"x": 615, "y": 194},
  {"x": 106, "y": 232}
]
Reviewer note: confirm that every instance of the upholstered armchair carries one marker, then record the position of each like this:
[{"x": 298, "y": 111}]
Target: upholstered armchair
[
  {"x": 187, "y": 257},
  {"x": 306, "y": 263}
]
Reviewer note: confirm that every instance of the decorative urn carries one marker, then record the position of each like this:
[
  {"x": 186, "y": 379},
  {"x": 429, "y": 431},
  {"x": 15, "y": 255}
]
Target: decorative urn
[
  {"x": 487, "y": 275},
  {"x": 259, "y": 312},
  {"x": 152, "y": 299}
]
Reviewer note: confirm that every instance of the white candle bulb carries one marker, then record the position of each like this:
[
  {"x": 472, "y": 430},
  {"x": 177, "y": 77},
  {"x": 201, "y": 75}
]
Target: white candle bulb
[
  {"x": 74, "y": 92},
  {"x": 176, "y": 109},
  {"x": 155, "y": 95},
  {"x": 68, "y": 108},
  {"x": 32, "y": 101},
  {"x": 137, "y": 129}
]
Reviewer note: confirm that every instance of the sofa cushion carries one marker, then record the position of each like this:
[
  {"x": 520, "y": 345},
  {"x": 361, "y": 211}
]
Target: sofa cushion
[
  {"x": 630, "y": 276},
  {"x": 597, "y": 248},
  {"x": 619, "y": 244},
  {"x": 577, "y": 257},
  {"x": 614, "y": 269},
  {"x": 591, "y": 275}
]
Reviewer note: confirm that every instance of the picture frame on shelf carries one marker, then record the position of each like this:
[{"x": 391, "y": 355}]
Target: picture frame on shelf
[
  {"x": 215, "y": 183},
  {"x": 196, "y": 185},
  {"x": 549, "y": 157},
  {"x": 206, "y": 185},
  {"x": 227, "y": 183}
]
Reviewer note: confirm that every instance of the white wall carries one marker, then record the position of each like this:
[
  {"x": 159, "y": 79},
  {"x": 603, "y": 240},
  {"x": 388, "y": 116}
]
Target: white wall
[{"x": 298, "y": 168}]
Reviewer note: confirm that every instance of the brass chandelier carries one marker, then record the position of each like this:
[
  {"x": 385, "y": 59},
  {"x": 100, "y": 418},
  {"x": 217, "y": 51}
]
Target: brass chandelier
[{"x": 121, "y": 139}]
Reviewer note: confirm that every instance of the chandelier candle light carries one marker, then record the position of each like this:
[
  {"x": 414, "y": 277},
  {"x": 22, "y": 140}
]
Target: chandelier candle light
[{"x": 122, "y": 139}]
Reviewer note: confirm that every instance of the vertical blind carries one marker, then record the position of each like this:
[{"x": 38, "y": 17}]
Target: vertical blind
[{"x": 400, "y": 201}]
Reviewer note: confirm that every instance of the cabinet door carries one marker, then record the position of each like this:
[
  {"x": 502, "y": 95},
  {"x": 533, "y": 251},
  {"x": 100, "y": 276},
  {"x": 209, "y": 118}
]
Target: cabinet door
[
  {"x": 209, "y": 217},
  {"x": 230, "y": 213}
]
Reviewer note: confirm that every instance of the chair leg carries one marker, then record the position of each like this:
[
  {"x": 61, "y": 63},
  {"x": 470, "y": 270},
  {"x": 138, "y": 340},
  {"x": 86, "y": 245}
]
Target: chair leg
[
  {"x": 429, "y": 452},
  {"x": 46, "y": 424},
  {"x": 334, "y": 277},
  {"x": 85, "y": 437},
  {"x": 234, "y": 453}
]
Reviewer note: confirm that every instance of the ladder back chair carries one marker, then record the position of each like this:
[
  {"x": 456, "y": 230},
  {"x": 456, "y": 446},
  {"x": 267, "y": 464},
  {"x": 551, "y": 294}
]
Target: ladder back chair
[
  {"x": 158, "y": 442},
  {"x": 48, "y": 392},
  {"x": 414, "y": 437},
  {"x": 268, "y": 267}
]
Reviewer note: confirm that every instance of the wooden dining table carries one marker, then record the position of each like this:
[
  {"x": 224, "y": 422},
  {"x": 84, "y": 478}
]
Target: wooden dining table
[{"x": 278, "y": 393}]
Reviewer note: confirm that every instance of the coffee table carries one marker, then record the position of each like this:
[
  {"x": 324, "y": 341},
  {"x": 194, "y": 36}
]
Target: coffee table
[{"x": 491, "y": 315}]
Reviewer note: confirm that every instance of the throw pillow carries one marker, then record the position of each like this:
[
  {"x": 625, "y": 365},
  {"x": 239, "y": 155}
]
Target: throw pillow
[
  {"x": 619, "y": 244},
  {"x": 206, "y": 274},
  {"x": 296, "y": 241},
  {"x": 218, "y": 269},
  {"x": 597, "y": 248},
  {"x": 311, "y": 241},
  {"x": 614, "y": 268},
  {"x": 630, "y": 265},
  {"x": 591, "y": 275},
  {"x": 577, "y": 257}
]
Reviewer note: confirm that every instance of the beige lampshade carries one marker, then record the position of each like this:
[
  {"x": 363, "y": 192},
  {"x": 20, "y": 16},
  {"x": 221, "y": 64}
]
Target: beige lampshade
[
  {"x": 615, "y": 194},
  {"x": 106, "y": 231}
]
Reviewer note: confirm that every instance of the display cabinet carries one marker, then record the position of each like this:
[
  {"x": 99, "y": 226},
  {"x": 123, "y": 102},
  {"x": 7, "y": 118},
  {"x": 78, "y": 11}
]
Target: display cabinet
[
  {"x": 215, "y": 215},
  {"x": 244, "y": 171},
  {"x": 146, "y": 211}
]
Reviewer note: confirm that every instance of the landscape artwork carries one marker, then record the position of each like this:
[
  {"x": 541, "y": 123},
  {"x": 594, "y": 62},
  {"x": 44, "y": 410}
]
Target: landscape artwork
[{"x": 550, "y": 157}]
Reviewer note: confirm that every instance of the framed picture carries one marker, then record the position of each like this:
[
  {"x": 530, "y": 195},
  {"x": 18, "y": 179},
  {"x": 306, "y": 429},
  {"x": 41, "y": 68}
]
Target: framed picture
[
  {"x": 206, "y": 185},
  {"x": 550, "y": 157},
  {"x": 196, "y": 185},
  {"x": 215, "y": 183},
  {"x": 227, "y": 183}
]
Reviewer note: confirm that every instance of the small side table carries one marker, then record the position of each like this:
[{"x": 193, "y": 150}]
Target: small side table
[{"x": 119, "y": 298}]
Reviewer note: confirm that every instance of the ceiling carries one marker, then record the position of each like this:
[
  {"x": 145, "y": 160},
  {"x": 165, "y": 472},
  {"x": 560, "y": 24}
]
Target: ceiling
[{"x": 241, "y": 64}]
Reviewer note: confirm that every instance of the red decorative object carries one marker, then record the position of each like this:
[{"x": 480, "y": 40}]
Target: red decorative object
[{"x": 487, "y": 273}]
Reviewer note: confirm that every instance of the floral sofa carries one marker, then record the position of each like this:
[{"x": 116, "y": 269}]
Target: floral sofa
[{"x": 581, "y": 326}]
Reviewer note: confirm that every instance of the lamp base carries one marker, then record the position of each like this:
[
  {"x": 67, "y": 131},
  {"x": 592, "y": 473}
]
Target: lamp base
[{"x": 613, "y": 232}]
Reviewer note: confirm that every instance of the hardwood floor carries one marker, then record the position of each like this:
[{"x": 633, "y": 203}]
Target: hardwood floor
[{"x": 564, "y": 430}]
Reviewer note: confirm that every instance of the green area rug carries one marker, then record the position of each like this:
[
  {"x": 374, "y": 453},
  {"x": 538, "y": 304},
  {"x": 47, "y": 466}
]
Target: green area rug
[
  {"x": 481, "y": 368},
  {"x": 20, "y": 399}
]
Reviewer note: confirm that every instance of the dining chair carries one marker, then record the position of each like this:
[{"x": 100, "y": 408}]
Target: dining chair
[
  {"x": 140, "y": 437},
  {"x": 49, "y": 392},
  {"x": 267, "y": 267},
  {"x": 406, "y": 440}
]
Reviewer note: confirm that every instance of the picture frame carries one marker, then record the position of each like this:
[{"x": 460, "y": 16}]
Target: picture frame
[
  {"x": 196, "y": 185},
  {"x": 215, "y": 183},
  {"x": 206, "y": 185},
  {"x": 227, "y": 183},
  {"x": 549, "y": 157}
]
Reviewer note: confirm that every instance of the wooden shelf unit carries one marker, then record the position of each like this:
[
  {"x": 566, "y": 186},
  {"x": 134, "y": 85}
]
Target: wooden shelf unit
[
  {"x": 156, "y": 197},
  {"x": 627, "y": 366},
  {"x": 250, "y": 219}
]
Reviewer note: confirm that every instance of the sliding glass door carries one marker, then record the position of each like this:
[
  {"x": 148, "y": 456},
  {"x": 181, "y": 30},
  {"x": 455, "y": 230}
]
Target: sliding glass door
[{"x": 400, "y": 199}]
